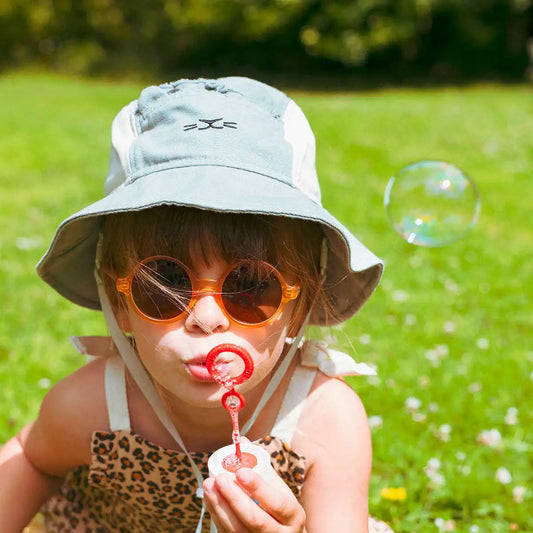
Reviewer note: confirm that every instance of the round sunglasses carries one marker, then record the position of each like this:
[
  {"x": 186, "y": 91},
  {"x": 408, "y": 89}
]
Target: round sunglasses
[{"x": 162, "y": 289}]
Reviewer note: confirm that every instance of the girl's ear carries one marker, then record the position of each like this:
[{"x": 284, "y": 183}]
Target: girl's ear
[{"x": 123, "y": 319}]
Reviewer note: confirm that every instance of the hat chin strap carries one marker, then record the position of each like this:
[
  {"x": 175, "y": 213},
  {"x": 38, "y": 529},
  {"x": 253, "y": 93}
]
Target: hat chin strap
[{"x": 146, "y": 385}]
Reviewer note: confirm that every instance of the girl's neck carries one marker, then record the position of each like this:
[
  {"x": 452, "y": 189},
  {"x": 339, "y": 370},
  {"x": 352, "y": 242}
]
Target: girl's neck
[{"x": 204, "y": 428}]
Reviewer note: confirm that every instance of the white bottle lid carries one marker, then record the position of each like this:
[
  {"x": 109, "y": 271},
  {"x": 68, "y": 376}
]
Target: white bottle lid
[{"x": 263, "y": 466}]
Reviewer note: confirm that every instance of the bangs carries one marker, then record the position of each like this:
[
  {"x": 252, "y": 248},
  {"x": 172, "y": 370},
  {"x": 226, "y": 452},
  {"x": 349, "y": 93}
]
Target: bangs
[{"x": 188, "y": 235}]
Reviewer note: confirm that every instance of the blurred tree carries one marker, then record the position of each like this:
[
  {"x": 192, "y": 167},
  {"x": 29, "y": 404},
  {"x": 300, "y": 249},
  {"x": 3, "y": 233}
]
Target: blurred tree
[{"x": 433, "y": 38}]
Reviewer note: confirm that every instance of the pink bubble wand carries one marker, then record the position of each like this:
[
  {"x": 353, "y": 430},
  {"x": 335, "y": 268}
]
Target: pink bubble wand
[{"x": 232, "y": 400}]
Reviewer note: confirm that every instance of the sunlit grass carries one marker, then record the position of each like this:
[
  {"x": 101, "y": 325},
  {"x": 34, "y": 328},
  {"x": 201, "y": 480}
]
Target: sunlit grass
[{"x": 449, "y": 328}]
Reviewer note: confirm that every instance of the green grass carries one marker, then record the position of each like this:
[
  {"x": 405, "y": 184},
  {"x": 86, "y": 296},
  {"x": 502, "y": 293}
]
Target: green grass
[{"x": 468, "y": 302}]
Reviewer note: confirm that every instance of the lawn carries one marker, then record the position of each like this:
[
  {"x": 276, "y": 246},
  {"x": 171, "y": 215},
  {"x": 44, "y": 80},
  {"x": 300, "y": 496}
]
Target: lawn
[{"x": 448, "y": 328}]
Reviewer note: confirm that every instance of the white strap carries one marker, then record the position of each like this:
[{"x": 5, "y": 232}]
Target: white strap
[
  {"x": 116, "y": 396},
  {"x": 316, "y": 354},
  {"x": 293, "y": 403},
  {"x": 277, "y": 377}
]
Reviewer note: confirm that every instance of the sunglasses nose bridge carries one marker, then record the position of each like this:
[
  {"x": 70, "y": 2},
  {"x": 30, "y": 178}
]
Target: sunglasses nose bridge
[{"x": 206, "y": 286}]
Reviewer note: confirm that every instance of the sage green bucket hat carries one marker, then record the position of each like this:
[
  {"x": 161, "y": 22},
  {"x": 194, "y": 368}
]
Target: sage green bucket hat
[{"x": 231, "y": 145}]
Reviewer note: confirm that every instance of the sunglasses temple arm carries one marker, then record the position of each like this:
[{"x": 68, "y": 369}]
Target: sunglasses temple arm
[{"x": 323, "y": 259}]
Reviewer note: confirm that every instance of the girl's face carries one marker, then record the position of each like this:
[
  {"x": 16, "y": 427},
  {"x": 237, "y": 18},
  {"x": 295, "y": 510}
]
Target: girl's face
[{"x": 174, "y": 353}]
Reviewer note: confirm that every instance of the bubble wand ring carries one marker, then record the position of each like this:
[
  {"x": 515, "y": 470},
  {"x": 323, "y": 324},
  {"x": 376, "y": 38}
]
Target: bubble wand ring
[
  {"x": 221, "y": 378},
  {"x": 233, "y": 401}
]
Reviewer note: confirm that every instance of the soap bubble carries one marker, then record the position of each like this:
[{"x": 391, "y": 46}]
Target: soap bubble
[{"x": 432, "y": 203}]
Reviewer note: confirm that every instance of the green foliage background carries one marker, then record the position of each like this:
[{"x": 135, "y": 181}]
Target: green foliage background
[
  {"x": 54, "y": 149},
  {"x": 429, "y": 40}
]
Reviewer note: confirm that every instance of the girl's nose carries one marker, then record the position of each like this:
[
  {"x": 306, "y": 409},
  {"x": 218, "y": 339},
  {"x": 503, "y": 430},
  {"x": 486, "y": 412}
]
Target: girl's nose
[{"x": 207, "y": 316}]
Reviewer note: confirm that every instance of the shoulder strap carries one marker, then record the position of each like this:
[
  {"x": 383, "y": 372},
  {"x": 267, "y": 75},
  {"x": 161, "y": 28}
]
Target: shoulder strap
[
  {"x": 275, "y": 380},
  {"x": 293, "y": 403},
  {"x": 116, "y": 396}
]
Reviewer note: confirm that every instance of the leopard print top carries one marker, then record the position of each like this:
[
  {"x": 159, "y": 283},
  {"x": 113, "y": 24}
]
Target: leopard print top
[{"x": 134, "y": 486}]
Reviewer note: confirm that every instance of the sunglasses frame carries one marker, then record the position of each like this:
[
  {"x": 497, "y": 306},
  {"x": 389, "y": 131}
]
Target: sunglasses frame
[{"x": 201, "y": 286}]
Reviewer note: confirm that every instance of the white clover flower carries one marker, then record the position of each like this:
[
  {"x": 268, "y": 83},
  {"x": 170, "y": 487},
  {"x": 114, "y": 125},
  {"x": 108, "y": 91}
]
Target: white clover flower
[
  {"x": 375, "y": 422},
  {"x": 410, "y": 319},
  {"x": 400, "y": 296},
  {"x": 412, "y": 404},
  {"x": 433, "y": 407},
  {"x": 374, "y": 380},
  {"x": 434, "y": 355},
  {"x": 474, "y": 529},
  {"x": 462, "y": 370},
  {"x": 28, "y": 243},
  {"x": 490, "y": 437},
  {"x": 365, "y": 338},
  {"x": 444, "y": 525},
  {"x": 386, "y": 284},
  {"x": 492, "y": 146},
  {"x": 503, "y": 475},
  {"x": 432, "y": 470},
  {"x": 448, "y": 327},
  {"x": 419, "y": 417},
  {"x": 392, "y": 320},
  {"x": 436, "y": 478},
  {"x": 423, "y": 381},
  {"x": 434, "y": 463},
  {"x": 511, "y": 417},
  {"x": 452, "y": 287},
  {"x": 45, "y": 383},
  {"x": 518, "y": 493},
  {"x": 443, "y": 432},
  {"x": 465, "y": 470},
  {"x": 460, "y": 456},
  {"x": 439, "y": 523},
  {"x": 482, "y": 343},
  {"x": 475, "y": 387},
  {"x": 442, "y": 349}
]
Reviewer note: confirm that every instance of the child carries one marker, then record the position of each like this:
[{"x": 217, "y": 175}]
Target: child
[{"x": 211, "y": 231}]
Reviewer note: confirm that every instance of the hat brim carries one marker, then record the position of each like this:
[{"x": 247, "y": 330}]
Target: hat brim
[{"x": 352, "y": 273}]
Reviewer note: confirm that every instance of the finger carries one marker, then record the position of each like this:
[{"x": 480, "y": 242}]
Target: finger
[
  {"x": 275, "y": 497},
  {"x": 226, "y": 502},
  {"x": 216, "y": 506},
  {"x": 238, "y": 511}
]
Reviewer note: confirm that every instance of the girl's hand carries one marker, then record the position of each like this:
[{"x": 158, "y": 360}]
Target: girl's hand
[{"x": 252, "y": 505}]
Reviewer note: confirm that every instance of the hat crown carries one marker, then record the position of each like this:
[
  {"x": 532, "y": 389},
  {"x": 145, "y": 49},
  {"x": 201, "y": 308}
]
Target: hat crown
[{"x": 230, "y": 122}]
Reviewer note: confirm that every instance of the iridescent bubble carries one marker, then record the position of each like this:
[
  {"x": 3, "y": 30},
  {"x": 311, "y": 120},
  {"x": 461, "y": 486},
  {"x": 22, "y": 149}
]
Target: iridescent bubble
[{"x": 432, "y": 203}]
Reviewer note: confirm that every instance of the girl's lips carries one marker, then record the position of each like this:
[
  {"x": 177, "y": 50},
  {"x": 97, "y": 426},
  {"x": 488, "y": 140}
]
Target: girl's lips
[{"x": 198, "y": 370}]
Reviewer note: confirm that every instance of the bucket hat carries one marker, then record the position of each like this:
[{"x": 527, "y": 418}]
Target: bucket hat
[{"x": 232, "y": 145}]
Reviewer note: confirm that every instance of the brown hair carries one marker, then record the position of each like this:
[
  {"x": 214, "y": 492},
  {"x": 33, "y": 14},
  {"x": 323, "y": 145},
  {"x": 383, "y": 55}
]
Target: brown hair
[{"x": 291, "y": 245}]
